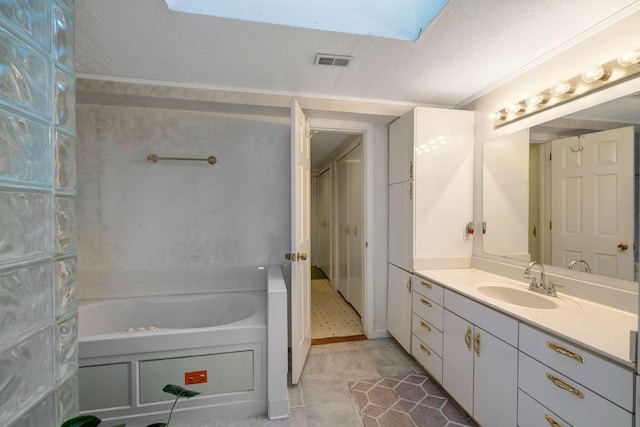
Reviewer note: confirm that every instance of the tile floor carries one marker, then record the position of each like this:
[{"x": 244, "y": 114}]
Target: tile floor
[
  {"x": 331, "y": 315},
  {"x": 323, "y": 397}
]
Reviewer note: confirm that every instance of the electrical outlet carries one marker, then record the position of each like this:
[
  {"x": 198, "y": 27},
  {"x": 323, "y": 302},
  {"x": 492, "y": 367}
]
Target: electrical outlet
[{"x": 195, "y": 377}]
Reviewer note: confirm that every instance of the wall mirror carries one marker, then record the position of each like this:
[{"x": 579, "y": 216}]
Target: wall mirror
[{"x": 565, "y": 192}]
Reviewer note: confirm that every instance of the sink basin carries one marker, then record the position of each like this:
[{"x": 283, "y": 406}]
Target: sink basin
[{"x": 517, "y": 297}]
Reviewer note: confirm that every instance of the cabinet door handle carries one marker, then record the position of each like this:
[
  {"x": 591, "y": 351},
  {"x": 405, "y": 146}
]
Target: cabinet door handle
[
  {"x": 561, "y": 384},
  {"x": 551, "y": 421},
  {"x": 425, "y": 349},
  {"x": 467, "y": 337},
  {"x": 409, "y": 284},
  {"x": 410, "y": 190},
  {"x": 426, "y": 285},
  {"x": 410, "y": 169},
  {"x": 565, "y": 352},
  {"x": 425, "y": 302},
  {"x": 476, "y": 344},
  {"x": 425, "y": 326}
]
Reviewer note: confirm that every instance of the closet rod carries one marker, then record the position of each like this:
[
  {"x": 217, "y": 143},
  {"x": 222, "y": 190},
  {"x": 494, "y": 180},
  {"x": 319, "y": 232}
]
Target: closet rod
[{"x": 153, "y": 158}]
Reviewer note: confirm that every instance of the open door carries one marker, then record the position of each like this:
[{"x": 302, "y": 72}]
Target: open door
[
  {"x": 300, "y": 241},
  {"x": 590, "y": 220}
]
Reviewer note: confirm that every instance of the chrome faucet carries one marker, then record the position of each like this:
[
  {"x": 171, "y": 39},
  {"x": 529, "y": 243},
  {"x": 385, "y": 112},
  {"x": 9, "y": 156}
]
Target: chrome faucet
[
  {"x": 549, "y": 289},
  {"x": 533, "y": 284},
  {"x": 586, "y": 265}
]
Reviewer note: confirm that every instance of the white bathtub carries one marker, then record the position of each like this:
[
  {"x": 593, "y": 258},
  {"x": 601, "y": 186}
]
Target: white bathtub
[{"x": 130, "y": 348}]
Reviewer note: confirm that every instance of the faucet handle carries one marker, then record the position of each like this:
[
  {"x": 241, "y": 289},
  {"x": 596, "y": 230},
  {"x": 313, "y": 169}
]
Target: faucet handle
[
  {"x": 533, "y": 283},
  {"x": 551, "y": 289}
]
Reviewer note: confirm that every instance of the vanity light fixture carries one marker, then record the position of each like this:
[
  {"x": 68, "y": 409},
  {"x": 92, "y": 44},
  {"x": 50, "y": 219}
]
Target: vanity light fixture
[{"x": 596, "y": 77}]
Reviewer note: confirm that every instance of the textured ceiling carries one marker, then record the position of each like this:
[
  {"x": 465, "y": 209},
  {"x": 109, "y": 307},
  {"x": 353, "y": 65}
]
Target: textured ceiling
[{"x": 468, "y": 48}]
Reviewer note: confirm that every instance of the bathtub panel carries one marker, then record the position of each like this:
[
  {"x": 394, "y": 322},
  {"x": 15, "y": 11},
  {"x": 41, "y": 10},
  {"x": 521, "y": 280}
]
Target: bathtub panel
[
  {"x": 113, "y": 390},
  {"x": 227, "y": 373}
]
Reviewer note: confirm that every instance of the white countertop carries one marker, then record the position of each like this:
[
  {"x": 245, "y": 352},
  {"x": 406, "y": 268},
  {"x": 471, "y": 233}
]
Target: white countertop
[{"x": 597, "y": 327}]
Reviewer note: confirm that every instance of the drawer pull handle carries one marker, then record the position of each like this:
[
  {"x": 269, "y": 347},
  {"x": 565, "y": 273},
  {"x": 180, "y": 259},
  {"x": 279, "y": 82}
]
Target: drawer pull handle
[
  {"x": 425, "y": 349},
  {"x": 425, "y": 302},
  {"x": 467, "y": 337},
  {"x": 551, "y": 421},
  {"x": 409, "y": 284},
  {"x": 425, "y": 326},
  {"x": 426, "y": 285},
  {"x": 561, "y": 384},
  {"x": 565, "y": 352},
  {"x": 476, "y": 344}
]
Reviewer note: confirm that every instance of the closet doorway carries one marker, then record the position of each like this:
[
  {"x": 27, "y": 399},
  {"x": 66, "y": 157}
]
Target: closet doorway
[{"x": 337, "y": 242}]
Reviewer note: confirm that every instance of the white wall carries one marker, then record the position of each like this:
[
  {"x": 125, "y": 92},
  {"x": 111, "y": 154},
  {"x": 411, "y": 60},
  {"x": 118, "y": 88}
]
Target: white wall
[{"x": 179, "y": 227}]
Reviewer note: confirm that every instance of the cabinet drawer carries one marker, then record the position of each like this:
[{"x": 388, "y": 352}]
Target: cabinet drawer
[
  {"x": 573, "y": 402},
  {"x": 498, "y": 324},
  {"x": 427, "y": 358},
  {"x": 428, "y": 289},
  {"x": 428, "y": 310},
  {"x": 427, "y": 334},
  {"x": 594, "y": 372},
  {"x": 533, "y": 414}
]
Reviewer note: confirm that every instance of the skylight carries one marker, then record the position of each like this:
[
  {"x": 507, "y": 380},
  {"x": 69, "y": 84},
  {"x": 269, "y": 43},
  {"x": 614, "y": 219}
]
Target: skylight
[{"x": 396, "y": 19}]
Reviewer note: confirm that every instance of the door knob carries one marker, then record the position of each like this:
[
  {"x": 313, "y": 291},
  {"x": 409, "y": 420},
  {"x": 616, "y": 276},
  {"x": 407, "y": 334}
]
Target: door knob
[
  {"x": 623, "y": 246},
  {"x": 301, "y": 257}
]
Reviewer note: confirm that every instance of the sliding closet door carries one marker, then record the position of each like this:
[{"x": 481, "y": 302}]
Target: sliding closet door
[
  {"x": 343, "y": 231},
  {"x": 355, "y": 214},
  {"x": 324, "y": 216}
]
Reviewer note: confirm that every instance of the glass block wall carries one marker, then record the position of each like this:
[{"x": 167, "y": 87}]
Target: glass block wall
[{"x": 38, "y": 306}]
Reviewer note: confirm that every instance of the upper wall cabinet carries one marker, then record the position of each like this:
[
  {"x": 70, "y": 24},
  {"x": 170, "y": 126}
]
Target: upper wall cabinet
[
  {"x": 431, "y": 152},
  {"x": 401, "y": 142}
]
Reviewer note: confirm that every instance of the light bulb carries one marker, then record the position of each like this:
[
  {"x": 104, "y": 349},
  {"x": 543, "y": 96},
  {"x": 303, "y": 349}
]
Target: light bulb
[
  {"x": 536, "y": 99},
  {"x": 514, "y": 108},
  {"x": 496, "y": 115},
  {"x": 561, "y": 88},
  {"x": 594, "y": 73},
  {"x": 630, "y": 57}
]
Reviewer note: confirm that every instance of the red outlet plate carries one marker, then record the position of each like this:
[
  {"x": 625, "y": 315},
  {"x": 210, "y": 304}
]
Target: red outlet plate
[{"x": 195, "y": 377}]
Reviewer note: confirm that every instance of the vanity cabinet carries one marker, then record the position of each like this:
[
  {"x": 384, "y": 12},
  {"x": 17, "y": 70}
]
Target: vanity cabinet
[
  {"x": 480, "y": 360},
  {"x": 399, "y": 301},
  {"x": 580, "y": 387},
  {"x": 426, "y": 325}
]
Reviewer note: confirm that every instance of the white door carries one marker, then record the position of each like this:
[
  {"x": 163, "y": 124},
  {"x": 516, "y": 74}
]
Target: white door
[
  {"x": 300, "y": 242},
  {"x": 589, "y": 220},
  {"x": 343, "y": 222},
  {"x": 356, "y": 297}
]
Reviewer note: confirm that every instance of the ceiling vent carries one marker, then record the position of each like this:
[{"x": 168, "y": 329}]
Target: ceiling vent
[{"x": 335, "y": 60}]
